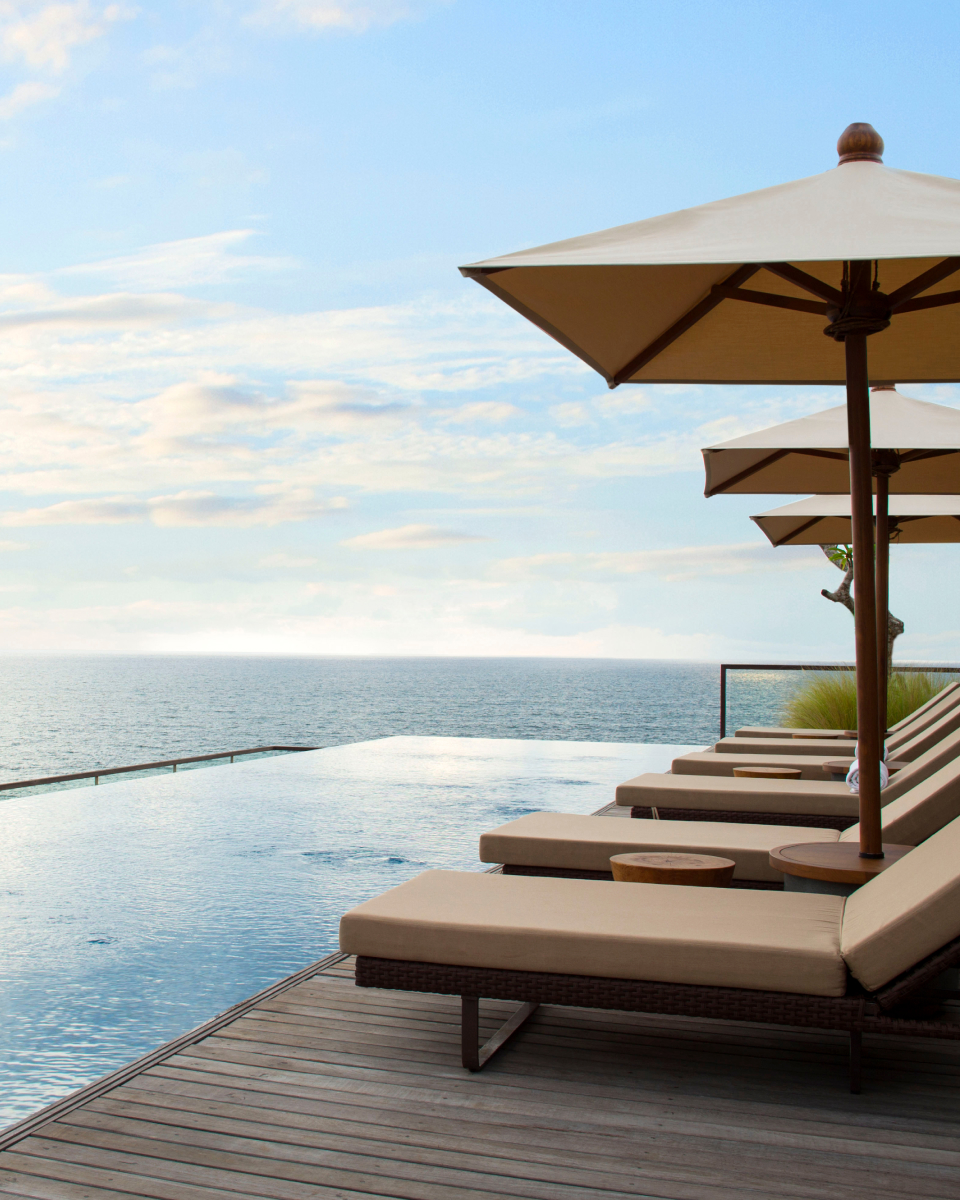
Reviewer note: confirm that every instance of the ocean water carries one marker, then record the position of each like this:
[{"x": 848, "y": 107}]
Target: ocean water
[
  {"x": 65, "y": 714},
  {"x": 132, "y": 913}
]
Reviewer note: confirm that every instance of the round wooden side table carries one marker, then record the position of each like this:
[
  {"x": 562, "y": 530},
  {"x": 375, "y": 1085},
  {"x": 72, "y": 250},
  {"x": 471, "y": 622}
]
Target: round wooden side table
[
  {"x": 837, "y": 768},
  {"x": 693, "y": 870},
  {"x": 767, "y": 772},
  {"x": 834, "y": 868}
]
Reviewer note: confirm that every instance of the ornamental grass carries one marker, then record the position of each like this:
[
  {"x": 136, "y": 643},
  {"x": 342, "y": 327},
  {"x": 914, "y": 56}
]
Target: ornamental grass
[{"x": 828, "y": 699}]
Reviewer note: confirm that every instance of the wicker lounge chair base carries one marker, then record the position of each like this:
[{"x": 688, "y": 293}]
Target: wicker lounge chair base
[
  {"x": 859, "y": 1012},
  {"x": 646, "y": 811},
  {"x": 583, "y": 873}
]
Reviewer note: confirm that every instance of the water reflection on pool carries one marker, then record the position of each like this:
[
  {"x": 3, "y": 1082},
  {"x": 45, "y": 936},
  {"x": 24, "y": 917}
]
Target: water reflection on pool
[{"x": 131, "y": 913}]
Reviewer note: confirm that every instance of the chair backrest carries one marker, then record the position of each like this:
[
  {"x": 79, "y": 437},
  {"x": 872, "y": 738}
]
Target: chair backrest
[
  {"x": 911, "y": 745},
  {"x": 922, "y": 768},
  {"x": 935, "y": 701},
  {"x": 923, "y": 718},
  {"x": 922, "y": 812},
  {"x": 905, "y": 913}
]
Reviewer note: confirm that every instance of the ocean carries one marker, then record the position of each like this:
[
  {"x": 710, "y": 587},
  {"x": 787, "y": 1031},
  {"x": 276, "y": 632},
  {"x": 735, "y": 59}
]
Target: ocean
[{"x": 63, "y": 714}]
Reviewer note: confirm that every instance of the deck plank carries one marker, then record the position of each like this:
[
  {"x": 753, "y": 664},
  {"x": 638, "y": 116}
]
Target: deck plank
[{"x": 320, "y": 1089}]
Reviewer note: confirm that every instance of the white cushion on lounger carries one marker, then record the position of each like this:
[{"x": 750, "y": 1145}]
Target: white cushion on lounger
[
  {"x": 586, "y": 843},
  {"x": 720, "y": 793},
  {"x": 907, "y": 912},
  {"x": 780, "y": 941}
]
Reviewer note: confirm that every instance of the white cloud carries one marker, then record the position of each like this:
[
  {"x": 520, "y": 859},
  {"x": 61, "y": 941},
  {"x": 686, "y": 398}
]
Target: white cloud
[
  {"x": 411, "y": 537},
  {"x": 570, "y": 415},
  {"x": 354, "y": 16},
  {"x": 492, "y": 411},
  {"x": 284, "y": 560},
  {"x": 6, "y": 547},
  {"x": 43, "y": 35},
  {"x": 24, "y": 95},
  {"x": 184, "y": 263},
  {"x": 671, "y": 564},
  {"x": 181, "y": 509}
]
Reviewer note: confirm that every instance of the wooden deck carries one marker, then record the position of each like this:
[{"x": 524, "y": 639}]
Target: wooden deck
[{"x": 320, "y": 1089}]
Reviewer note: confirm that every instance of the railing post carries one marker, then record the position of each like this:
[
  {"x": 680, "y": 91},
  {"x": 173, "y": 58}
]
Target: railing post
[{"x": 723, "y": 700}]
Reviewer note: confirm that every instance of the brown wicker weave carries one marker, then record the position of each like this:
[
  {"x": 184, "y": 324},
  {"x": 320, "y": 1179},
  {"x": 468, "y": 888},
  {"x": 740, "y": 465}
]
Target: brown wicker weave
[
  {"x": 578, "y": 873},
  {"x": 742, "y": 818},
  {"x": 857, "y": 1012}
]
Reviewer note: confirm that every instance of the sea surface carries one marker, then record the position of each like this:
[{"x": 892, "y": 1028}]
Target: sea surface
[{"x": 64, "y": 714}]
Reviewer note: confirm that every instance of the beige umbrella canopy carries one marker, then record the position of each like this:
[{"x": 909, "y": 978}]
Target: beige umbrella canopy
[
  {"x": 860, "y": 251},
  {"x": 810, "y": 454},
  {"x": 916, "y": 448},
  {"x": 656, "y": 301},
  {"x": 825, "y": 520}
]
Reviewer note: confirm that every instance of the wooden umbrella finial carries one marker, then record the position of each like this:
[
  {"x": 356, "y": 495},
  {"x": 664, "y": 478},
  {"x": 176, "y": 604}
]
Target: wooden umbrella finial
[{"x": 860, "y": 142}]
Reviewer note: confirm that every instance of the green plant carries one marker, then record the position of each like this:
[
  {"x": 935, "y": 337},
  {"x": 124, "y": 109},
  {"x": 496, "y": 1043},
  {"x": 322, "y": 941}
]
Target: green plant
[{"x": 828, "y": 699}]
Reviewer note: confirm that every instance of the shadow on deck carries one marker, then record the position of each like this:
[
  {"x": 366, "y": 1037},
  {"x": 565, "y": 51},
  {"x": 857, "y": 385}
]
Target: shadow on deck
[{"x": 316, "y": 1088}]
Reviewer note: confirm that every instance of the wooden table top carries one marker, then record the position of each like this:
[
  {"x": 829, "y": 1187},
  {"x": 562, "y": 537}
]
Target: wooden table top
[
  {"x": 767, "y": 772},
  {"x": 672, "y": 866},
  {"x": 834, "y": 862},
  {"x": 836, "y": 765}
]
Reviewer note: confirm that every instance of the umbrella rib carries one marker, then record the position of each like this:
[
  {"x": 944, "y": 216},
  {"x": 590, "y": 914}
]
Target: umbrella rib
[
  {"x": 937, "y": 301},
  {"x": 941, "y": 271},
  {"x": 482, "y": 277},
  {"x": 809, "y": 283},
  {"x": 796, "y": 532},
  {"x": 770, "y": 298},
  {"x": 742, "y": 475},
  {"x": 678, "y": 328}
]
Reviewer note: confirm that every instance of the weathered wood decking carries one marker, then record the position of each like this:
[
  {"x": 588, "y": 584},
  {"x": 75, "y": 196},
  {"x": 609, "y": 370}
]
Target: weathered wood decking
[{"x": 322, "y": 1089}]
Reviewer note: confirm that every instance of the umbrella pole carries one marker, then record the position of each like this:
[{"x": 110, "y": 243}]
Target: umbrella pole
[
  {"x": 865, "y": 613},
  {"x": 883, "y": 597}
]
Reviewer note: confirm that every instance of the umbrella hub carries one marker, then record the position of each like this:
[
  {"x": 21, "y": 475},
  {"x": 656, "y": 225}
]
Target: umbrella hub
[
  {"x": 863, "y": 308},
  {"x": 884, "y": 462}
]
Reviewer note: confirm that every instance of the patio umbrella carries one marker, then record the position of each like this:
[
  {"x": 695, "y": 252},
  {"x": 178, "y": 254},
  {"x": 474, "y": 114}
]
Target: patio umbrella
[
  {"x": 916, "y": 448},
  {"x": 858, "y": 251},
  {"x": 823, "y": 520}
]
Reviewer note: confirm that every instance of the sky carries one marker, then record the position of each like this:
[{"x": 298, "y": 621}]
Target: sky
[{"x": 248, "y": 403}]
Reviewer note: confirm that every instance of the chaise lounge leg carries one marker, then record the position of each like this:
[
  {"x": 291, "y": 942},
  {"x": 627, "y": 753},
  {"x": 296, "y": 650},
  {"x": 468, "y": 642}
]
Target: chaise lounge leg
[
  {"x": 475, "y": 1056},
  {"x": 856, "y": 1048}
]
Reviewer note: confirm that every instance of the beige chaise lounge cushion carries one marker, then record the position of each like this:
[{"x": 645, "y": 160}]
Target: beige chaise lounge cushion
[
  {"x": 925, "y": 809},
  {"x": 719, "y": 793},
  {"x": 548, "y": 839},
  {"x": 906, "y": 913},
  {"x": 781, "y": 941},
  {"x": 821, "y": 747},
  {"x": 710, "y": 762}
]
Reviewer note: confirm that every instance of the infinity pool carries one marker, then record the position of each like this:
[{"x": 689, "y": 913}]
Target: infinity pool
[{"x": 131, "y": 913}]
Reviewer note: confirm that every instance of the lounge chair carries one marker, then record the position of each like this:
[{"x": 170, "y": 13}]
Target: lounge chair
[
  {"x": 562, "y": 845},
  {"x": 946, "y": 697},
  {"x": 811, "y": 759},
  {"x": 864, "y": 964},
  {"x": 798, "y": 802}
]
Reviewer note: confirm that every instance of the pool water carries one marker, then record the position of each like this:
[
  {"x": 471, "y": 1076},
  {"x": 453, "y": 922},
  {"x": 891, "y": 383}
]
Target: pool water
[{"x": 132, "y": 913}]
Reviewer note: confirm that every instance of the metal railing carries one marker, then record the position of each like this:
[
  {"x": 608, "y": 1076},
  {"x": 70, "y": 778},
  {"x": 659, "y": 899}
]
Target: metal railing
[
  {"x": 725, "y": 667},
  {"x": 99, "y": 774}
]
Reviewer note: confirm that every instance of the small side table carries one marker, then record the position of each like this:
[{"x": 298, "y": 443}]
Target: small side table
[
  {"x": 693, "y": 870},
  {"x": 837, "y": 768},
  {"x": 767, "y": 772},
  {"x": 834, "y": 868}
]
